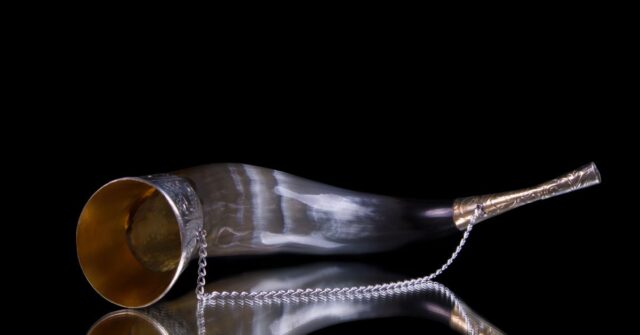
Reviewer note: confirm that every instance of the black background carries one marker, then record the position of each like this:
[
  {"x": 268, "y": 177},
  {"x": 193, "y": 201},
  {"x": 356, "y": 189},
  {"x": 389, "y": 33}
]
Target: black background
[
  {"x": 522, "y": 271},
  {"x": 455, "y": 124}
]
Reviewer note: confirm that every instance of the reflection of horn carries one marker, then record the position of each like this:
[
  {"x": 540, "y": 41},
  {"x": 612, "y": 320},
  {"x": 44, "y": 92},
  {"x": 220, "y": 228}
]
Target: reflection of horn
[
  {"x": 136, "y": 235},
  {"x": 430, "y": 301}
]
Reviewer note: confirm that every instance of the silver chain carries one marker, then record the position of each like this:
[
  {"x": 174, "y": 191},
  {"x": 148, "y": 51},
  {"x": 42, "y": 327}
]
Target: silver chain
[
  {"x": 330, "y": 293},
  {"x": 202, "y": 264}
]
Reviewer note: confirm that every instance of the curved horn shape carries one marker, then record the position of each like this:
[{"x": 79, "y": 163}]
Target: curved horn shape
[{"x": 136, "y": 235}]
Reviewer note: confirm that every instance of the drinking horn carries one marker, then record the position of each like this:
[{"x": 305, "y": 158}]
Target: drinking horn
[{"x": 136, "y": 235}]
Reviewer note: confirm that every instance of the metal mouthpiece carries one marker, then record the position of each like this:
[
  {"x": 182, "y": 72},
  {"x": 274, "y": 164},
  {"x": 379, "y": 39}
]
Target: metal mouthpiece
[{"x": 496, "y": 204}]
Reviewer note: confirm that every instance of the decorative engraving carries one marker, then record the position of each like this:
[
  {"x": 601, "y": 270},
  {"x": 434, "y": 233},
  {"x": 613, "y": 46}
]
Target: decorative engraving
[
  {"x": 495, "y": 204},
  {"x": 187, "y": 204}
]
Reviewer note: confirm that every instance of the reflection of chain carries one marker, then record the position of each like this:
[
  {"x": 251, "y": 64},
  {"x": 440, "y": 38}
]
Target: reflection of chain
[{"x": 335, "y": 293}]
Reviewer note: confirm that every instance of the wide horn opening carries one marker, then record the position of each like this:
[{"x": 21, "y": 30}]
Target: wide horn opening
[{"x": 129, "y": 242}]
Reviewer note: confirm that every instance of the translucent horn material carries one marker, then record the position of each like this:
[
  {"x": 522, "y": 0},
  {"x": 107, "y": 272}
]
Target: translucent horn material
[
  {"x": 433, "y": 302},
  {"x": 136, "y": 235}
]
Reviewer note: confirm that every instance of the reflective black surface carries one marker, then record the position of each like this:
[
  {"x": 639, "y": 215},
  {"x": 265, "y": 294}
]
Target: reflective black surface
[
  {"x": 96, "y": 100},
  {"x": 521, "y": 271},
  {"x": 291, "y": 315}
]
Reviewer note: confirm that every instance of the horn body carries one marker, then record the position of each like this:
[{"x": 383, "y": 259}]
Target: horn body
[{"x": 136, "y": 235}]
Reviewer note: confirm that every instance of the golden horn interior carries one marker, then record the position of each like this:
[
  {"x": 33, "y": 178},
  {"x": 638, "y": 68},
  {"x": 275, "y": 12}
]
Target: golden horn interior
[{"x": 129, "y": 243}]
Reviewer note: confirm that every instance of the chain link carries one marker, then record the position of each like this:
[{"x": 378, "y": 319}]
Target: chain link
[
  {"x": 354, "y": 292},
  {"x": 202, "y": 264}
]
